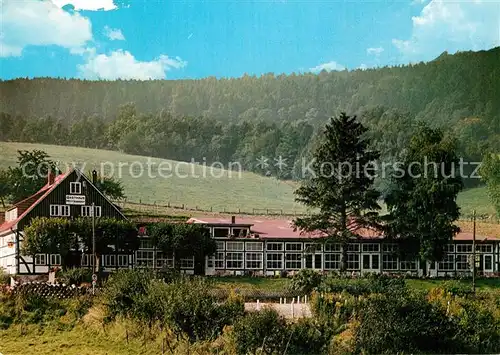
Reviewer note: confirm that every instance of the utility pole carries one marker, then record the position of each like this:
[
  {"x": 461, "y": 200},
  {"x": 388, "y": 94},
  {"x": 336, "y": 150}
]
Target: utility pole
[
  {"x": 94, "y": 278},
  {"x": 474, "y": 251}
]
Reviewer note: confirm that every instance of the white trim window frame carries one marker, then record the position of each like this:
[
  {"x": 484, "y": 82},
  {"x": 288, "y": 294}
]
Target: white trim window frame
[
  {"x": 254, "y": 261},
  {"x": 75, "y": 188},
  {"x": 234, "y": 260},
  {"x": 274, "y": 261}
]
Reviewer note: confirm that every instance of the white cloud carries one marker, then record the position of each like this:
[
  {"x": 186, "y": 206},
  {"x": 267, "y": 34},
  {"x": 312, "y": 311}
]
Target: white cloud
[
  {"x": 452, "y": 25},
  {"x": 375, "y": 51},
  {"x": 122, "y": 65},
  {"x": 89, "y": 5},
  {"x": 330, "y": 66},
  {"x": 363, "y": 66},
  {"x": 40, "y": 23},
  {"x": 114, "y": 34}
]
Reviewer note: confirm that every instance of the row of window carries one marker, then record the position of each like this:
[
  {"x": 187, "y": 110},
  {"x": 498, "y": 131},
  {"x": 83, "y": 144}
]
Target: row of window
[{"x": 65, "y": 211}]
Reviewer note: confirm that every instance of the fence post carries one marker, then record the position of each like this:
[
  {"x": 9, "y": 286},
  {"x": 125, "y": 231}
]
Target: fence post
[
  {"x": 291, "y": 305},
  {"x": 258, "y": 305}
]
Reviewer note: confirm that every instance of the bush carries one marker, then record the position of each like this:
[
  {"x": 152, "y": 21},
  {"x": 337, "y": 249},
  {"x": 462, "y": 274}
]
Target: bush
[
  {"x": 264, "y": 330},
  {"x": 375, "y": 283},
  {"x": 4, "y": 277},
  {"x": 456, "y": 287},
  {"x": 403, "y": 324},
  {"x": 122, "y": 289},
  {"x": 308, "y": 336},
  {"x": 306, "y": 280},
  {"x": 75, "y": 276}
]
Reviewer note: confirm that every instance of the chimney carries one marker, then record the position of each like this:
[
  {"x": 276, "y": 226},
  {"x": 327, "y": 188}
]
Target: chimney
[
  {"x": 233, "y": 219},
  {"x": 50, "y": 177},
  {"x": 94, "y": 177}
]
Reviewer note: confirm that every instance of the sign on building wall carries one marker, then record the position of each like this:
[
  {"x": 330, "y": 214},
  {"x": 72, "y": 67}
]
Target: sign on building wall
[{"x": 75, "y": 199}]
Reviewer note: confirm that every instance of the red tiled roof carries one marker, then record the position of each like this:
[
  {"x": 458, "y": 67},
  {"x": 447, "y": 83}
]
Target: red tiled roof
[
  {"x": 36, "y": 198},
  {"x": 281, "y": 228},
  {"x": 275, "y": 228}
]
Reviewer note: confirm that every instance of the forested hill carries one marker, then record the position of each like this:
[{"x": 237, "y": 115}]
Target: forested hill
[
  {"x": 243, "y": 119},
  {"x": 444, "y": 90}
]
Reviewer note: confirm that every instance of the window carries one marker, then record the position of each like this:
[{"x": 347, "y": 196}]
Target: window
[
  {"x": 145, "y": 258},
  {"x": 234, "y": 260},
  {"x": 109, "y": 260},
  {"x": 75, "y": 188},
  {"x": 332, "y": 247},
  {"x": 462, "y": 262},
  {"x": 371, "y": 247},
  {"x": 164, "y": 261},
  {"x": 389, "y": 247},
  {"x": 219, "y": 260},
  {"x": 40, "y": 259},
  {"x": 253, "y": 260},
  {"x": 86, "y": 211},
  {"x": 312, "y": 248},
  {"x": 352, "y": 247},
  {"x": 408, "y": 265},
  {"x": 332, "y": 261},
  {"x": 55, "y": 259},
  {"x": 253, "y": 246},
  {"x": 86, "y": 259},
  {"x": 449, "y": 248},
  {"x": 484, "y": 248},
  {"x": 488, "y": 263},
  {"x": 210, "y": 262},
  {"x": 464, "y": 248},
  {"x": 187, "y": 263},
  {"x": 220, "y": 245},
  {"x": 389, "y": 262},
  {"x": 274, "y": 261},
  {"x": 145, "y": 243},
  {"x": 353, "y": 261},
  {"x": 235, "y": 246},
  {"x": 59, "y": 210},
  {"x": 293, "y": 261},
  {"x": 122, "y": 260},
  {"x": 221, "y": 232},
  {"x": 240, "y": 232},
  {"x": 448, "y": 263},
  {"x": 293, "y": 246},
  {"x": 274, "y": 246}
]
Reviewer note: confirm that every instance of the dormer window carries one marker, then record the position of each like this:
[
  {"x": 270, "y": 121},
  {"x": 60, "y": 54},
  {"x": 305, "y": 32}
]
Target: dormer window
[{"x": 75, "y": 188}]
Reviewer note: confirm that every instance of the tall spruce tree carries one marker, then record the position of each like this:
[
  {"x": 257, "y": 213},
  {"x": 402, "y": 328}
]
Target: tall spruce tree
[
  {"x": 339, "y": 190},
  {"x": 421, "y": 203}
]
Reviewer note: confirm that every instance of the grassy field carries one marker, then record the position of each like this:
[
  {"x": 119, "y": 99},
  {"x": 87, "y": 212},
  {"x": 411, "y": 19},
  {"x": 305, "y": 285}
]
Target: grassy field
[
  {"x": 275, "y": 284},
  {"x": 202, "y": 189}
]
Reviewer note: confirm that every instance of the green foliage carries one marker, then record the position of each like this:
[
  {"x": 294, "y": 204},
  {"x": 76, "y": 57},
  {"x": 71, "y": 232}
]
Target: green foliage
[
  {"x": 30, "y": 175},
  {"x": 74, "y": 276},
  {"x": 375, "y": 283},
  {"x": 183, "y": 240},
  {"x": 4, "y": 277},
  {"x": 263, "y": 332},
  {"x": 50, "y": 235},
  {"x": 403, "y": 324},
  {"x": 306, "y": 280},
  {"x": 110, "y": 187},
  {"x": 5, "y": 186},
  {"x": 308, "y": 336},
  {"x": 490, "y": 174},
  {"x": 340, "y": 187},
  {"x": 122, "y": 288},
  {"x": 422, "y": 199}
]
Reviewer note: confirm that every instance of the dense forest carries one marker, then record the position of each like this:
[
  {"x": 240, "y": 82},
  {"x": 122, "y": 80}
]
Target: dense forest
[{"x": 242, "y": 119}]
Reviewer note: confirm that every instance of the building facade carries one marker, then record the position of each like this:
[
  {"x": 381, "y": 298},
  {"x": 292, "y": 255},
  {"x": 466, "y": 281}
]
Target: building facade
[{"x": 69, "y": 195}]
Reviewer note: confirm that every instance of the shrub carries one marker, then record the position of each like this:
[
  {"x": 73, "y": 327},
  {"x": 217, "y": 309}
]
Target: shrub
[
  {"x": 4, "y": 277},
  {"x": 123, "y": 288},
  {"x": 456, "y": 287},
  {"x": 308, "y": 336},
  {"x": 264, "y": 330},
  {"x": 403, "y": 324},
  {"x": 75, "y": 276},
  {"x": 376, "y": 283},
  {"x": 306, "y": 280},
  {"x": 335, "y": 309}
]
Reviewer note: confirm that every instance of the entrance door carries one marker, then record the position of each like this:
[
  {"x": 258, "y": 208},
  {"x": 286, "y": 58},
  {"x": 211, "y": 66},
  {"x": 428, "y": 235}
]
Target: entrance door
[
  {"x": 371, "y": 263},
  {"x": 487, "y": 263}
]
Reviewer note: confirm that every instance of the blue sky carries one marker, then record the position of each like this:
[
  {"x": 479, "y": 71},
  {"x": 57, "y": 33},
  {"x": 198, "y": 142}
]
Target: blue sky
[{"x": 175, "y": 39}]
